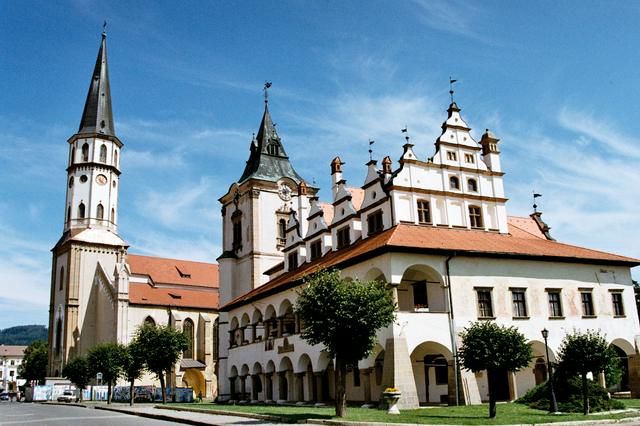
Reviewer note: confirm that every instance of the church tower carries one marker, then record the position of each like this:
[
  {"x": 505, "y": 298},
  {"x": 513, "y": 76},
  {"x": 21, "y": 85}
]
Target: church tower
[{"x": 88, "y": 280}]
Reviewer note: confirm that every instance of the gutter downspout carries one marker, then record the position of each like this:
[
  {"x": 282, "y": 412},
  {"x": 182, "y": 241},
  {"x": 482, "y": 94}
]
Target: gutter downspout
[{"x": 452, "y": 334}]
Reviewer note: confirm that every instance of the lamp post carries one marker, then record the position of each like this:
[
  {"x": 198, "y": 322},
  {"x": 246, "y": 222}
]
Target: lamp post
[{"x": 553, "y": 405}]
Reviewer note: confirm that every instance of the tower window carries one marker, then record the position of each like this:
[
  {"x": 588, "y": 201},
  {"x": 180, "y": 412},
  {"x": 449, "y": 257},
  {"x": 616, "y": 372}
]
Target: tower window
[
  {"x": 103, "y": 153},
  {"x": 187, "y": 330},
  {"x": 454, "y": 182},
  {"x": 85, "y": 152},
  {"x": 58, "y": 340},
  {"x": 100, "y": 212},
  {"x": 475, "y": 216},
  {"x": 236, "y": 220},
  {"x": 451, "y": 156},
  {"x": 472, "y": 185},
  {"x": 113, "y": 215},
  {"x": 68, "y": 213},
  {"x": 115, "y": 158},
  {"x": 73, "y": 154},
  {"x": 424, "y": 212},
  {"x": 71, "y": 182},
  {"x": 272, "y": 149},
  {"x": 81, "y": 211},
  {"x": 468, "y": 158},
  {"x": 374, "y": 222},
  {"x": 61, "y": 278}
]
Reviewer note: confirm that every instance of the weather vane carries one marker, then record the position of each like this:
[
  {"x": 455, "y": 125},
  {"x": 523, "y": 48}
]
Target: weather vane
[
  {"x": 371, "y": 142},
  {"x": 535, "y": 206},
  {"x": 451, "y": 81},
  {"x": 406, "y": 133},
  {"x": 104, "y": 28},
  {"x": 267, "y": 84}
]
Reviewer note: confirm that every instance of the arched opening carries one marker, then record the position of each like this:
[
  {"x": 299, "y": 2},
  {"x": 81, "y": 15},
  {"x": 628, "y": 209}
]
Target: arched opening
[
  {"x": 234, "y": 333},
  {"x": 103, "y": 153},
  {"x": 282, "y": 231},
  {"x": 536, "y": 372},
  {"x": 454, "y": 182},
  {"x": 85, "y": 152},
  {"x": 472, "y": 185},
  {"x": 115, "y": 158},
  {"x": 58, "y": 340},
  {"x": 433, "y": 372},
  {"x": 288, "y": 318},
  {"x": 60, "y": 285},
  {"x": 623, "y": 362},
  {"x": 100, "y": 212},
  {"x": 285, "y": 379},
  {"x": 81, "y": 209},
  {"x": 270, "y": 323},
  {"x": 257, "y": 326},
  {"x": 149, "y": 321},
  {"x": 194, "y": 379},
  {"x": 244, "y": 325},
  {"x": 421, "y": 290},
  {"x": 187, "y": 329}
]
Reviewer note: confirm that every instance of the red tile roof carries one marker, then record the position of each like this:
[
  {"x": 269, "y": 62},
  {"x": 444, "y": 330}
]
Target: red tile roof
[
  {"x": 168, "y": 271},
  {"x": 174, "y": 282},
  {"x": 524, "y": 227},
  {"x": 327, "y": 212},
  {"x": 429, "y": 239},
  {"x": 12, "y": 350},
  {"x": 357, "y": 197}
]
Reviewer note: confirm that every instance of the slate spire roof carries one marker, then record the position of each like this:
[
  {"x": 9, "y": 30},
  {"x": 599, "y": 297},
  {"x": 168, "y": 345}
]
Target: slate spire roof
[
  {"x": 97, "y": 116},
  {"x": 268, "y": 159}
]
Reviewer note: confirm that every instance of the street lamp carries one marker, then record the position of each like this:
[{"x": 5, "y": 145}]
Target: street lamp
[{"x": 553, "y": 405}]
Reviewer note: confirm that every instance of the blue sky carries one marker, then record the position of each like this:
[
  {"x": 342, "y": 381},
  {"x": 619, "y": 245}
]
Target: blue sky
[{"x": 557, "y": 82}]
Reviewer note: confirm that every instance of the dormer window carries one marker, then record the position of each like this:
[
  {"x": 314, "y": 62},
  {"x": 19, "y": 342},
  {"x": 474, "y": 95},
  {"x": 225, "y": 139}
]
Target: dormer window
[
  {"x": 272, "y": 149},
  {"x": 316, "y": 250},
  {"x": 472, "y": 185},
  {"x": 374, "y": 222},
  {"x": 468, "y": 158},
  {"x": 454, "y": 182},
  {"x": 424, "y": 212},
  {"x": 343, "y": 237},
  {"x": 475, "y": 217},
  {"x": 451, "y": 156}
]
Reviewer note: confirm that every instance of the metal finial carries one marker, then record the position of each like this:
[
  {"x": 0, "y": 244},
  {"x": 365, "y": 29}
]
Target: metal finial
[
  {"x": 406, "y": 133},
  {"x": 535, "y": 206},
  {"x": 267, "y": 84},
  {"x": 451, "y": 81},
  {"x": 371, "y": 142},
  {"x": 104, "y": 29}
]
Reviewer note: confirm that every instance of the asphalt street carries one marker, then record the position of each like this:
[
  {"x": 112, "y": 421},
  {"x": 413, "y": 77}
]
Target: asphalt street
[{"x": 13, "y": 413}]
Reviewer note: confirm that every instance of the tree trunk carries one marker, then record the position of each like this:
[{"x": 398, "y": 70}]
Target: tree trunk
[
  {"x": 585, "y": 395},
  {"x": 131, "y": 396},
  {"x": 81, "y": 398},
  {"x": 164, "y": 389},
  {"x": 341, "y": 394},
  {"x": 109, "y": 392},
  {"x": 491, "y": 378}
]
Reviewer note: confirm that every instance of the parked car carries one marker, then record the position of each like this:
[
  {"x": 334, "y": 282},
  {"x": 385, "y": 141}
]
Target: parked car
[
  {"x": 4, "y": 396},
  {"x": 68, "y": 396}
]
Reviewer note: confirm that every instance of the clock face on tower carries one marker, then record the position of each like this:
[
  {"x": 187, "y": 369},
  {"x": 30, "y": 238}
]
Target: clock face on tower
[
  {"x": 284, "y": 191},
  {"x": 101, "y": 179}
]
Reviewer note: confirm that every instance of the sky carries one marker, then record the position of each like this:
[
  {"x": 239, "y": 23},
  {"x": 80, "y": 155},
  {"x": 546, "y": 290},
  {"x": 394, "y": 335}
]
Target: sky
[{"x": 557, "y": 82}]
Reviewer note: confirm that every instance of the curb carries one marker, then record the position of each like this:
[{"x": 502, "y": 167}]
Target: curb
[
  {"x": 64, "y": 404},
  {"x": 155, "y": 416},
  {"x": 227, "y": 413},
  {"x": 634, "y": 420}
]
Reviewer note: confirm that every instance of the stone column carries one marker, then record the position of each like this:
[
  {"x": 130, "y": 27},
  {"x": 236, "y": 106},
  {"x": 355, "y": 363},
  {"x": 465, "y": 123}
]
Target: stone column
[
  {"x": 601, "y": 380},
  {"x": 253, "y": 332},
  {"x": 394, "y": 294},
  {"x": 366, "y": 381},
  {"x": 243, "y": 388},
  {"x": 319, "y": 397},
  {"x": 299, "y": 387},
  {"x": 397, "y": 371},
  {"x": 280, "y": 327},
  {"x": 513, "y": 386}
]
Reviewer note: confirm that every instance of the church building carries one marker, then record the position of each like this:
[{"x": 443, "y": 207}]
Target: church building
[
  {"x": 100, "y": 292},
  {"x": 435, "y": 228}
]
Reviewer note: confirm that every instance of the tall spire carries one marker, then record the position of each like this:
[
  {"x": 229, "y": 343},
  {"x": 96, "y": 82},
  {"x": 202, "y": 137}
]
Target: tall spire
[{"x": 97, "y": 116}]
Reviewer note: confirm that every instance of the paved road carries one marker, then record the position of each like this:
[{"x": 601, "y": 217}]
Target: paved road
[{"x": 13, "y": 413}]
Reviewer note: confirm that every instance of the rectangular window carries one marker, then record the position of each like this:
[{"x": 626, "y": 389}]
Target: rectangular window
[
  {"x": 475, "y": 217},
  {"x": 424, "y": 213},
  {"x": 316, "y": 250},
  {"x": 344, "y": 238},
  {"x": 451, "y": 156},
  {"x": 485, "y": 309},
  {"x": 555, "y": 304},
  {"x": 420, "y": 300},
  {"x": 468, "y": 158},
  {"x": 237, "y": 232},
  {"x": 442, "y": 372},
  {"x": 618, "y": 307},
  {"x": 293, "y": 260},
  {"x": 519, "y": 303},
  {"x": 374, "y": 222},
  {"x": 587, "y": 304}
]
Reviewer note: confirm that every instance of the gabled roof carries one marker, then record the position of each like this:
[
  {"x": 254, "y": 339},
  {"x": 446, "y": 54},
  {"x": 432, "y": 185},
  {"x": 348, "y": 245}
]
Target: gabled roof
[
  {"x": 146, "y": 294},
  {"x": 12, "y": 350},
  {"x": 174, "y": 271},
  {"x": 265, "y": 163},
  {"x": 97, "y": 116},
  {"x": 445, "y": 241}
]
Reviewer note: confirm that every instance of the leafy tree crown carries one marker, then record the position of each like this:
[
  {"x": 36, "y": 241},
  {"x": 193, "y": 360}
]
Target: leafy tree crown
[
  {"x": 161, "y": 345},
  {"x": 489, "y": 346},
  {"x": 581, "y": 353}
]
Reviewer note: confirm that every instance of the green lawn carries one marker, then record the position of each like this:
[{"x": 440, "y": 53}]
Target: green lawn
[{"x": 510, "y": 413}]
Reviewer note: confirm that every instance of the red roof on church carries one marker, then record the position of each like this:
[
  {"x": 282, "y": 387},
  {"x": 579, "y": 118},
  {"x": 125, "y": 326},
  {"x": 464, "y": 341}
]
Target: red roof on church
[
  {"x": 173, "y": 282},
  {"x": 522, "y": 242}
]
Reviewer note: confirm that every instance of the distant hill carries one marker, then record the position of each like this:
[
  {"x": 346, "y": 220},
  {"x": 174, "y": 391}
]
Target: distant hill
[{"x": 23, "y": 334}]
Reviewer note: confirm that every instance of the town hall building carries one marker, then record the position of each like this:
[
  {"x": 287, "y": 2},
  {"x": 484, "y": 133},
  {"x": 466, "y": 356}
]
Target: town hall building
[
  {"x": 434, "y": 227},
  {"x": 101, "y": 293}
]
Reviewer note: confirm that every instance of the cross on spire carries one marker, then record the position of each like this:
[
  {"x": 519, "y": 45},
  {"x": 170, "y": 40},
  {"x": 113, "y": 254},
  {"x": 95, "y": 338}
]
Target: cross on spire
[
  {"x": 267, "y": 85},
  {"x": 104, "y": 29}
]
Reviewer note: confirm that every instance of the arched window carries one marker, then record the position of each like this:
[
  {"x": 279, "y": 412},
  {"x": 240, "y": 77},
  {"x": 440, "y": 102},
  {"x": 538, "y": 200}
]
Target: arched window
[
  {"x": 68, "y": 213},
  {"x": 103, "y": 153},
  {"x": 73, "y": 154},
  {"x": 100, "y": 212},
  {"x": 85, "y": 152},
  {"x": 115, "y": 158},
  {"x": 454, "y": 182},
  {"x": 475, "y": 216},
  {"x": 187, "y": 329},
  {"x": 472, "y": 185},
  {"x": 113, "y": 215},
  {"x": 61, "y": 278},
  {"x": 282, "y": 232},
  {"x": 149, "y": 321},
  {"x": 58, "y": 341},
  {"x": 81, "y": 211}
]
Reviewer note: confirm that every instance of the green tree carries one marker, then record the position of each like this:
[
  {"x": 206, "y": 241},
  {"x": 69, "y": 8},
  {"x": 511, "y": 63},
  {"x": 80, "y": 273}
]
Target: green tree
[
  {"x": 108, "y": 359},
  {"x": 582, "y": 353},
  {"x": 343, "y": 316},
  {"x": 34, "y": 363},
  {"x": 489, "y": 346},
  {"x": 133, "y": 365},
  {"x": 77, "y": 370},
  {"x": 162, "y": 346}
]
